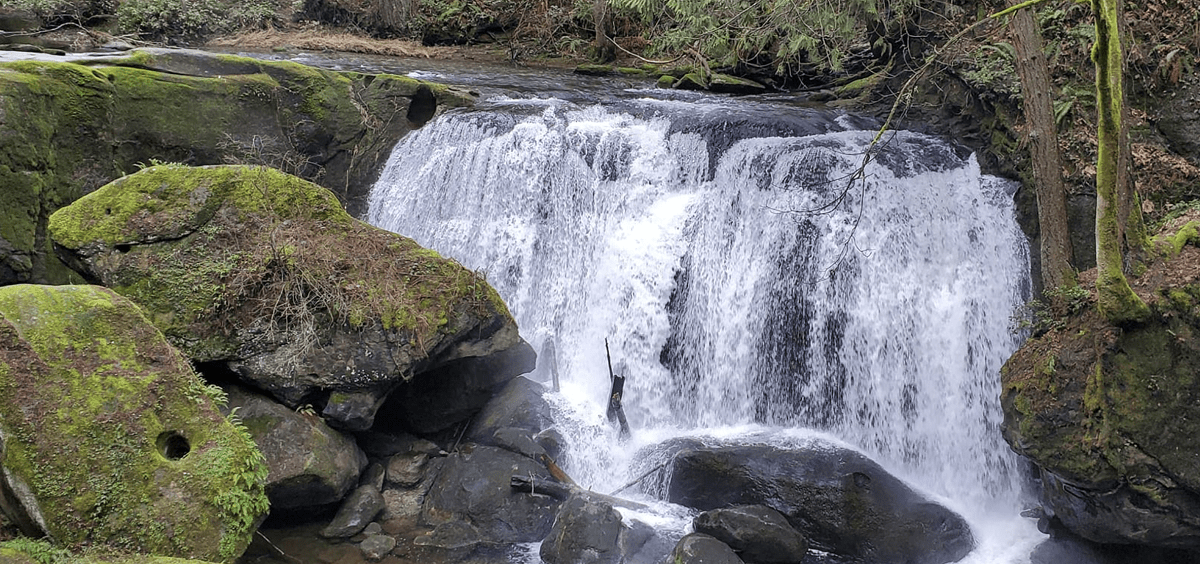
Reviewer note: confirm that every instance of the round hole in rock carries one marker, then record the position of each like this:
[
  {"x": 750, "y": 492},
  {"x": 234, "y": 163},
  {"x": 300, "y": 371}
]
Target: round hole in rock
[{"x": 172, "y": 445}]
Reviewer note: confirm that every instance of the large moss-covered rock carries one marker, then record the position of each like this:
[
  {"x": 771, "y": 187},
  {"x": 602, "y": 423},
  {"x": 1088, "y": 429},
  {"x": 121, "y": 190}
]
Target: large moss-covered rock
[
  {"x": 110, "y": 438},
  {"x": 67, "y": 128},
  {"x": 265, "y": 272},
  {"x": 1111, "y": 415}
]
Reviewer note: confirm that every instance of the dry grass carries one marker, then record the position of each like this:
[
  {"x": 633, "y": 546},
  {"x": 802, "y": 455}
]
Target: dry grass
[{"x": 323, "y": 40}]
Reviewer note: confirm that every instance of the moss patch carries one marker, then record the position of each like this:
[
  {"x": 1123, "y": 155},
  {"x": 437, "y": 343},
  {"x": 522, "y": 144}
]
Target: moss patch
[{"x": 89, "y": 390}]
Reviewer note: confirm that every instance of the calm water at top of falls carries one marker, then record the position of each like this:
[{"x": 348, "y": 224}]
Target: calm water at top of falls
[{"x": 747, "y": 288}]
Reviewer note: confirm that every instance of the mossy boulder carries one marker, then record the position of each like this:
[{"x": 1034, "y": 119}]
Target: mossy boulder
[
  {"x": 264, "y": 273},
  {"x": 110, "y": 438},
  {"x": 1111, "y": 415},
  {"x": 67, "y": 128}
]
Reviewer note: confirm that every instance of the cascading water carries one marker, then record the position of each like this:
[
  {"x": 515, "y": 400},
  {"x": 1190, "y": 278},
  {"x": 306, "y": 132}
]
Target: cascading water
[{"x": 744, "y": 276}]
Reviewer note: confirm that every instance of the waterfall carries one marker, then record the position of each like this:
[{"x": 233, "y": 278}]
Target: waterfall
[{"x": 742, "y": 274}]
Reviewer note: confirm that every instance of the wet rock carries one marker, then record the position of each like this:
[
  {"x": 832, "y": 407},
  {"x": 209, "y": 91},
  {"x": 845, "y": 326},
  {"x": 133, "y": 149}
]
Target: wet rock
[
  {"x": 699, "y": 548},
  {"x": 375, "y": 547},
  {"x": 357, "y": 511},
  {"x": 320, "y": 320},
  {"x": 840, "y": 500},
  {"x": 759, "y": 534},
  {"x": 447, "y": 542},
  {"x": 517, "y": 441},
  {"x": 474, "y": 486},
  {"x": 310, "y": 464},
  {"x": 584, "y": 532},
  {"x": 109, "y": 438}
]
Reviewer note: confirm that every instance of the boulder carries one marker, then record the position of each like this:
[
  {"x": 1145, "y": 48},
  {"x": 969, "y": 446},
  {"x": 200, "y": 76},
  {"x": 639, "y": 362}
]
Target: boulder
[
  {"x": 375, "y": 547},
  {"x": 448, "y": 542},
  {"x": 266, "y": 273},
  {"x": 840, "y": 500},
  {"x": 759, "y": 534},
  {"x": 310, "y": 465},
  {"x": 584, "y": 532},
  {"x": 1111, "y": 417},
  {"x": 474, "y": 486},
  {"x": 110, "y": 438},
  {"x": 356, "y": 512},
  {"x": 699, "y": 548},
  {"x": 67, "y": 128}
]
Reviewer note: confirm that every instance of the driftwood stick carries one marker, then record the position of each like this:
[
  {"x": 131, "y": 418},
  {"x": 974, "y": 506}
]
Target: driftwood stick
[
  {"x": 557, "y": 490},
  {"x": 638, "y": 479}
]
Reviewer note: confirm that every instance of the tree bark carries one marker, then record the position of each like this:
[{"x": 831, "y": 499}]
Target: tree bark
[
  {"x": 1115, "y": 299},
  {"x": 1051, "y": 193}
]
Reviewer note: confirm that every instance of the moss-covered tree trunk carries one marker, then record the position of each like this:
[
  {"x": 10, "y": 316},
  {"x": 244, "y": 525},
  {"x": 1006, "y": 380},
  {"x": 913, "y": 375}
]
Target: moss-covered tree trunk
[
  {"x": 1116, "y": 299},
  {"x": 1043, "y": 140}
]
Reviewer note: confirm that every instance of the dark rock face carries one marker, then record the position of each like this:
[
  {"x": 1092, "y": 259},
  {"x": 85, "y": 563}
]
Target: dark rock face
[
  {"x": 840, "y": 500},
  {"x": 474, "y": 486},
  {"x": 584, "y": 532},
  {"x": 699, "y": 548},
  {"x": 310, "y": 464},
  {"x": 518, "y": 405},
  {"x": 265, "y": 272},
  {"x": 70, "y": 127},
  {"x": 758, "y": 533},
  {"x": 452, "y": 393},
  {"x": 1111, "y": 416}
]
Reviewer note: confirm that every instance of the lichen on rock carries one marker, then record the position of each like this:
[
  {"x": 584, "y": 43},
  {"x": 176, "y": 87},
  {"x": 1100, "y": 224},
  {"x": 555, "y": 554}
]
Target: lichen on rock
[
  {"x": 264, "y": 271},
  {"x": 110, "y": 438}
]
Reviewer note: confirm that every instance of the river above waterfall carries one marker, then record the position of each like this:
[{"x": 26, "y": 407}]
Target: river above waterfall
[{"x": 749, "y": 284}]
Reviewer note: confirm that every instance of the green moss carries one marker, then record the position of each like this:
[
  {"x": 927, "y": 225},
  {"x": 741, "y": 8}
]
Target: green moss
[
  {"x": 1174, "y": 244},
  {"x": 97, "y": 389}
]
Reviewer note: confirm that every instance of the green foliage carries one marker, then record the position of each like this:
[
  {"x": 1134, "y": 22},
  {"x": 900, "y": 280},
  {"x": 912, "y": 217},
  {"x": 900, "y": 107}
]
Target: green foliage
[
  {"x": 791, "y": 33},
  {"x": 993, "y": 69},
  {"x": 54, "y": 11},
  {"x": 40, "y": 550},
  {"x": 192, "y": 18},
  {"x": 1051, "y": 311}
]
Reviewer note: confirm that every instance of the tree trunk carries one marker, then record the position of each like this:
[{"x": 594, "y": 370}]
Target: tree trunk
[
  {"x": 1115, "y": 299},
  {"x": 1135, "y": 243},
  {"x": 1032, "y": 68},
  {"x": 605, "y": 49}
]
